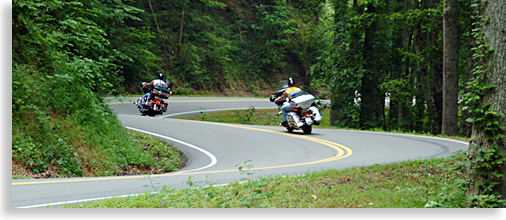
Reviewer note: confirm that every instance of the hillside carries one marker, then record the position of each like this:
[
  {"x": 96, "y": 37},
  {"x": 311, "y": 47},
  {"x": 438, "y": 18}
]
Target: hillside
[{"x": 67, "y": 55}]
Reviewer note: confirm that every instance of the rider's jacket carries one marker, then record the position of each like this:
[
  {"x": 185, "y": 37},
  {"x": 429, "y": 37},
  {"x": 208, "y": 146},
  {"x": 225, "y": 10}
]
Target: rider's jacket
[
  {"x": 290, "y": 91},
  {"x": 159, "y": 83}
]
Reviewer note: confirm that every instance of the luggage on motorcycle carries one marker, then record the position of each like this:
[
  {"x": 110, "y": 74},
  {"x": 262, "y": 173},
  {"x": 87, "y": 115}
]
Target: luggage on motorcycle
[
  {"x": 316, "y": 113},
  {"x": 161, "y": 92},
  {"x": 294, "y": 119},
  {"x": 302, "y": 100}
]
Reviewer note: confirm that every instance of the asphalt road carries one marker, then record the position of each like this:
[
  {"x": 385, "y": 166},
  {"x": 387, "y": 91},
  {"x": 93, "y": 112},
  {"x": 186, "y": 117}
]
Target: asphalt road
[{"x": 215, "y": 149}]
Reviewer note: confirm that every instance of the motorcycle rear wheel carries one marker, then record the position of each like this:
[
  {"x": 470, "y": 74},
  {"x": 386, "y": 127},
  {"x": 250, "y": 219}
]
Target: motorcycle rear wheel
[
  {"x": 151, "y": 114},
  {"x": 307, "y": 129}
]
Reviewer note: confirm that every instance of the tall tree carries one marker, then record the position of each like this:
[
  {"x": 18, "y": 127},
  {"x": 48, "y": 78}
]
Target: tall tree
[
  {"x": 433, "y": 80},
  {"x": 450, "y": 68},
  {"x": 398, "y": 99},
  {"x": 369, "y": 114},
  {"x": 343, "y": 64},
  {"x": 488, "y": 143},
  {"x": 420, "y": 38}
]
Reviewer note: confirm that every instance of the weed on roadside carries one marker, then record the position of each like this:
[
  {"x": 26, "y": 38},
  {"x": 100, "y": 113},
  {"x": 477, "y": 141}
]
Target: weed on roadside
[{"x": 408, "y": 184}]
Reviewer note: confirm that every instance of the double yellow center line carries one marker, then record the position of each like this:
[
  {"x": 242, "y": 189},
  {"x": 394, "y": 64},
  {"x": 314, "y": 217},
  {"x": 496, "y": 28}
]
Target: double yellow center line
[{"x": 342, "y": 152}]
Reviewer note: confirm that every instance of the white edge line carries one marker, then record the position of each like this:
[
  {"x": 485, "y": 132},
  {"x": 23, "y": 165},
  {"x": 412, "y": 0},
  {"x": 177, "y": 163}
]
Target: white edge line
[
  {"x": 213, "y": 158},
  {"x": 101, "y": 198},
  {"x": 419, "y": 136},
  {"x": 80, "y": 201},
  {"x": 213, "y": 162}
]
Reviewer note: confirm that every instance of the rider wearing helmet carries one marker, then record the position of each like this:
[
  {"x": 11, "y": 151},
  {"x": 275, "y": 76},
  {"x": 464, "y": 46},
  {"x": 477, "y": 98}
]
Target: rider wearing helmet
[
  {"x": 156, "y": 82},
  {"x": 287, "y": 94}
]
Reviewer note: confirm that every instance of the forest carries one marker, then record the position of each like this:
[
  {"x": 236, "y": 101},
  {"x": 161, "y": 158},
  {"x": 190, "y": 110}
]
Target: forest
[
  {"x": 423, "y": 66},
  {"x": 375, "y": 51}
]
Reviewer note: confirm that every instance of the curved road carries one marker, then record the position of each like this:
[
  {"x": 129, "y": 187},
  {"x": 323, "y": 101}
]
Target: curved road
[{"x": 214, "y": 150}]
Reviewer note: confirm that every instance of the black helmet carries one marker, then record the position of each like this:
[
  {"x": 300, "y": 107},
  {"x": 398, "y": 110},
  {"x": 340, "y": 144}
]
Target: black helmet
[
  {"x": 291, "y": 82},
  {"x": 160, "y": 76}
]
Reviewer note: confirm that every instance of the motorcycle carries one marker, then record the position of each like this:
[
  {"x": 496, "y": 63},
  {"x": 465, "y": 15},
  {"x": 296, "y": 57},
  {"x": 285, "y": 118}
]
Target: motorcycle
[
  {"x": 304, "y": 113},
  {"x": 156, "y": 104}
]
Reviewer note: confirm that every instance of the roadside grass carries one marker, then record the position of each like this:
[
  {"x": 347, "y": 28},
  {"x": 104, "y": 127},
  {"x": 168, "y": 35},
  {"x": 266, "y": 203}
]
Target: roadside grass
[
  {"x": 83, "y": 153},
  {"x": 249, "y": 116},
  {"x": 409, "y": 184},
  {"x": 424, "y": 183}
]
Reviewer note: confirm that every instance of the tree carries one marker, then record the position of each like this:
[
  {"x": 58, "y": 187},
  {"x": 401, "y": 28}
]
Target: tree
[
  {"x": 339, "y": 67},
  {"x": 450, "y": 68},
  {"x": 369, "y": 114},
  {"x": 398, "y": 99},
  {"x": 433, "y": 79},
  {"x": 487, "y": 102},
  {"x": 182, "y": 25}
]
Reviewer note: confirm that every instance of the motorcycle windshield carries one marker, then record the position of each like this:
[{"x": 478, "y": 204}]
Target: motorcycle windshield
[{"x": 283, "y": 84}]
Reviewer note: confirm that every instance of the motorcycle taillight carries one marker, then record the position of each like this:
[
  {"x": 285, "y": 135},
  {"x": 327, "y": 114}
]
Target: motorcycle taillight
[
  {"x": 308, "y": 115},
  {"x": 157, "y": 102}
]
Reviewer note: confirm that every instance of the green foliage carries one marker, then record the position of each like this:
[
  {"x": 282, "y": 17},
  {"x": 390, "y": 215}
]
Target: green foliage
[
  {"x": 485, "y": 161},
  {"x": 216, "y": 46},
  {"x": 408, "y": 184},
  {"x": 339, "y": 66},
  {"x": 68, "y": 54},
  {"x": 63, "y": 64},
  {"x": 404, "y": 61},
  {"x": 272, "y": 31}
]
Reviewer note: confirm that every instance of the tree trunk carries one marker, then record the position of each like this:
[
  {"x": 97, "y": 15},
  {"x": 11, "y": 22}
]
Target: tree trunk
[
  {"x": 403, "y": 107},
  {"x": 397, "y": 101},
  {"x": 494, "y": 33},
  {"x": 368, "y": 113},
  {"x": 450, "y": 68},
  {"x": 434, "y": 79},
  {"x": 419, "y": 43},
  {"x": 182, "y": 25},
  {"x": 337, "y": 115},
  {"x": 154, "y": 16}
]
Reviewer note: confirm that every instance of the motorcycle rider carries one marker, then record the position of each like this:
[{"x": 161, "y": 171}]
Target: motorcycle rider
[
  {"x": 287, "y": 94},
  {"x": 156, "y": 82}
]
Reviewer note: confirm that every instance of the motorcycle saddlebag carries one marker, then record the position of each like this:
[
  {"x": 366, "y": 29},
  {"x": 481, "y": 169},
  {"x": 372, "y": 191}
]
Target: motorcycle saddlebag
[
  {"x": 302, "y": 100},
  {"x": 160, "y": 92}
]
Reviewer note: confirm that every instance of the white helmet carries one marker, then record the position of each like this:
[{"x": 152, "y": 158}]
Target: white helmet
[{"x": 291, "y": 82}]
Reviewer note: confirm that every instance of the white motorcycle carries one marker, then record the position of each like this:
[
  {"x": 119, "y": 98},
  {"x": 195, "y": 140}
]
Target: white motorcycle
[{"x": 304, "y": 114}]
